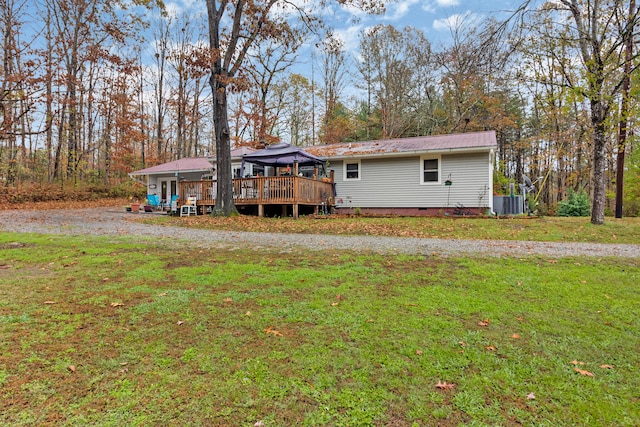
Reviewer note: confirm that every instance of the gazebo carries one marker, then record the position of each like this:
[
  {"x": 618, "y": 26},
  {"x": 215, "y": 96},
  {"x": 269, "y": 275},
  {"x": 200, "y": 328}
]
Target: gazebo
[{"x": 281, "y": 155}]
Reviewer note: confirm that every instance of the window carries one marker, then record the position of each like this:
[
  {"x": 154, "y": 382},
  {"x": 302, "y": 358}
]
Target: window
[
  {"x": 352, "y": 170},
  {"x": 430, "y": 169}
]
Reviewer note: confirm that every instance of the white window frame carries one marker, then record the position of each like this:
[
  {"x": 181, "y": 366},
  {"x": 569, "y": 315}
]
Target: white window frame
[
  {"x": 344, "y": 170},
  {"x": 422, "y": 159}
]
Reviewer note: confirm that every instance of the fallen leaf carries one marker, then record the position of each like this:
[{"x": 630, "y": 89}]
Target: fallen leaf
[
  {"x": 164, "y": 294},
  {"x": 553, "y": 261},
  {"x": 444, "y": 385},
  {"x": 228, "y": 300},
  {"x": 72, "y": 368},
  {"x": 607, "y": 366},
  {"x": 5, "y": 267},
  {"x": 116, "y": 304},
  {"x": 484, "y": 322},
  {"x": 491, "y": 348},
  {"x": 248, "y": 314},
  {"x": 333, "y": 304},
  {"x": 269, "y": 330},
  {"x": 259, "y": 424},
  {"x": 531, "y": 396},
  {"x": 418, "y": 352},
  {"x": 515, "y": 336},
  {"x": 576, "y": 363},
  {"x": 583, "y": 372},
  {"x": 179, "y": 322},
  {"x": 49, "y": 302},
  {"x": 105, "y": 279}
]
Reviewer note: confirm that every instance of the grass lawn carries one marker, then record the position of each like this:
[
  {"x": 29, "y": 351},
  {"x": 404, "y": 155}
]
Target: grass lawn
[
  {"x": 106, "y": 331},
  {"x": 546, "y": 229}
]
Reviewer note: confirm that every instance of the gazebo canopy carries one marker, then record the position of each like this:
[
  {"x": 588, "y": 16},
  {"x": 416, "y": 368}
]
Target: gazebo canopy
[{"x": 282, "y": 154}]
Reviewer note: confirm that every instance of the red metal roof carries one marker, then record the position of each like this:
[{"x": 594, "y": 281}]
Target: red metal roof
[
  {"x": 187, "y": 164},
  {"x": 452, "y": 142},
  {"x": 190, "y": 164}
]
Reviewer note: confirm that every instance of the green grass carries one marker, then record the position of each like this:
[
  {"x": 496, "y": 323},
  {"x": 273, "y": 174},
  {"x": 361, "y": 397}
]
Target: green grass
[
  {"x": 545, "y": 229},
  {"x": 159, "y": 335}
]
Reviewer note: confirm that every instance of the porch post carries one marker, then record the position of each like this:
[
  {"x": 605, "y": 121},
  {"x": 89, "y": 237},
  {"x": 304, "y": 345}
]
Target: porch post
[
  {"x": 260, "y": 210},
  {"x": 295, "y": 211}
]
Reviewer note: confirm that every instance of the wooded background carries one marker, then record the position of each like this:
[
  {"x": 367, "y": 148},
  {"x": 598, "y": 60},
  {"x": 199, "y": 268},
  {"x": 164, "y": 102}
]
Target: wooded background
[{"x": 93, "y": 89}]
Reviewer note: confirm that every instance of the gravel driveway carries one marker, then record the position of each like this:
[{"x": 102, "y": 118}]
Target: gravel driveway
[{"x": 110, "y": 221}]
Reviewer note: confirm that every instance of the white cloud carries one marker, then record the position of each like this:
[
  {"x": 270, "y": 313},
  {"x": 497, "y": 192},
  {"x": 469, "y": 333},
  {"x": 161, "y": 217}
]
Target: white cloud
[
  {"x": 454, "y": 21},
  {"x": 350, "y": 36},
  {"x": 398, "y": 10},
  {"x": 432, "y": 5}
]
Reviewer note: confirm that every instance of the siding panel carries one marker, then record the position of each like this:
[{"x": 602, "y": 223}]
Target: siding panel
[{"x": 395, "y": 183}]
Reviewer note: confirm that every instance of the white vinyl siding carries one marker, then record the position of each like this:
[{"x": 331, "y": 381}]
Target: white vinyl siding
[{"x": 396, "y": 182}]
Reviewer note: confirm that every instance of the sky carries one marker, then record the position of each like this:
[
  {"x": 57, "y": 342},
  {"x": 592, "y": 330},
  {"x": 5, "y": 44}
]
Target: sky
[{"x": 434, "y": 17}]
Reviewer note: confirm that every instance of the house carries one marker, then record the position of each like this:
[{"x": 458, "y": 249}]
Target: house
[
  {"x": 278, "y": 180},
  {"x": 164, "y": 179},
  {"x": 427, "y": 175}
]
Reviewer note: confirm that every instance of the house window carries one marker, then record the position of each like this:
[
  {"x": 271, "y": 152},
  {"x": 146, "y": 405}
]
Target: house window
[
  {"x": 430, "y": 170},
  {"x": 352, "y": 170}
]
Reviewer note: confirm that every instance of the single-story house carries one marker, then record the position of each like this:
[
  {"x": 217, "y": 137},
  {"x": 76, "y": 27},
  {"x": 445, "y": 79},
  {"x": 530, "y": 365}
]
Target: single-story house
[
  {"x": 427, "y": 175},
  {"x": 163, "y": 179}
]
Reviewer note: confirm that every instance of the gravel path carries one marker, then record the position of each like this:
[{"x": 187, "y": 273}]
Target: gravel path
[{"x": 109, "y": 221}]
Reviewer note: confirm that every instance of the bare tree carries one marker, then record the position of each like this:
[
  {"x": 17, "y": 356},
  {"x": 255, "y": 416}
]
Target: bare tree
[
  {"x": 599, "y": 30},
  {"x": 249, "y": 21}
]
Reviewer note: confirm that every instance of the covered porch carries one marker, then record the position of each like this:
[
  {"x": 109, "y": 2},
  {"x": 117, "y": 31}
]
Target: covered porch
[{"x": 272, "y": 192}]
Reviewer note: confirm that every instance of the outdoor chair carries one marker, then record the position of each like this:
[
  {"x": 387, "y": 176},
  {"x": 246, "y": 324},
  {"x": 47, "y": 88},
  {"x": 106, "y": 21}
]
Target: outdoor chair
[
  {"x": 189, "y": 207},
  {"x": 153, "y": 200}
]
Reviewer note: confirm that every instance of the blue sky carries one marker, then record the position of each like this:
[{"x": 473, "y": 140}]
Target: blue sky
[{"x": 433, "y": 17}]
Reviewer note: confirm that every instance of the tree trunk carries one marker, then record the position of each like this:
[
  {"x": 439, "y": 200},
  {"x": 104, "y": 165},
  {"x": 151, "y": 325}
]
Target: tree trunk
[
  {"x": 624, "y": 111},
  {"x": 598, "y": 118},
  {"x": 224, "y": 195}
]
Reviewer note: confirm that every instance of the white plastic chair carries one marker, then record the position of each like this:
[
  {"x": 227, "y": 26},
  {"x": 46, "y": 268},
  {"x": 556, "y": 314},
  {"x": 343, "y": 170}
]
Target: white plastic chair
[{"x": 189, "y": 207}]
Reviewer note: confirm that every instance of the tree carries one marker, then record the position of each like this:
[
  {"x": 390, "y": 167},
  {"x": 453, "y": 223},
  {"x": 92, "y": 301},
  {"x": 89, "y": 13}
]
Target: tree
[
  {"x": 249, "y": 21},
  {"x": 333, "y": 68},
  {"x": 394, "y": 72},
  {"x": 598, "y": 30}
]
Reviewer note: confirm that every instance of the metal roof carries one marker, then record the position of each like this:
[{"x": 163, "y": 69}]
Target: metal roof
[
  {"x": 187, "y": 164},
  {"x": 472, "y": 141},
  {"x": 190, "y": 164}
]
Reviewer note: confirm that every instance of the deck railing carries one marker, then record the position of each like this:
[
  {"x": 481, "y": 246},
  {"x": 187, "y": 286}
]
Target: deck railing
[{"x": 272, "y": 190}]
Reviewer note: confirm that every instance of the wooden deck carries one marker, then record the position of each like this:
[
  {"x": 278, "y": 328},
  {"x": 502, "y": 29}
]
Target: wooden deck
[{"x": 294, "y": 191}]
